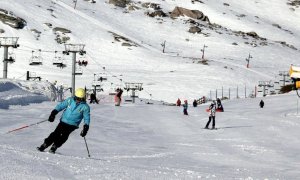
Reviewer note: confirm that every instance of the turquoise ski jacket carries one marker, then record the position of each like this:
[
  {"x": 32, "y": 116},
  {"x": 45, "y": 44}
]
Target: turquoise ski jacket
[{"x": 74, "y": 112}]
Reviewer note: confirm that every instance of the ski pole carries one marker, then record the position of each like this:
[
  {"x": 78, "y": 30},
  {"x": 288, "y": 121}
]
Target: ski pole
[
  {"x": 87, "y": 147},
  {"x": 26, "y": 126}
]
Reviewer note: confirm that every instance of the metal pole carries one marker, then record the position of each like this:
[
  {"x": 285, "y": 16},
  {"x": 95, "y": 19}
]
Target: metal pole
[
  {"x": 5, "y": 62},
  {"x": 73, "y": 73},
  {"x": 222, "y": 93},
  {"x": 87, "y": 147},
  {"x": 133, "y": 96},
  {"x": 297, "y": 105},
  {"x": 237, "y": 92},
  {"x": 245, "y": 92},
  {"x": 216, "y": 94}
]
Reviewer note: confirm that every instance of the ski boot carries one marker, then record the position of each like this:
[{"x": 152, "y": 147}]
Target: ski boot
[
  {"x": 42, "y": 147},
  {"x": 53, "y": 149}
]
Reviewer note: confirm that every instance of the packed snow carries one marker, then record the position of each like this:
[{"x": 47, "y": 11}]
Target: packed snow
[
  {"x": 154, "y": 141},
  {"x": 151, "y": 138}
]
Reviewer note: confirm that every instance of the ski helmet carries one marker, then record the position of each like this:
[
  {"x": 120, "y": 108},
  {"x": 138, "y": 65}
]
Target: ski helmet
[{"x": 80, "y": 93}]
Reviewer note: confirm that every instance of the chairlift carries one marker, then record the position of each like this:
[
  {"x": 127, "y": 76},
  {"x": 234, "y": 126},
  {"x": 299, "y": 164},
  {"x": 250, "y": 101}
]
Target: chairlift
[
  {"x": 59, "y": 61},
  {"x": 78, "y": 70},
  {"x": 11, "y": 58},
  {"x": 82, "y": 61},
  {"x": 36, "y": 60}
]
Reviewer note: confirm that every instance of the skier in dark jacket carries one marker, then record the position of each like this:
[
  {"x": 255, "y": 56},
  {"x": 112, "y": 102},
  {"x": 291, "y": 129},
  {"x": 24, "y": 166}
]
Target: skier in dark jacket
[
  {"x": 261, "y": 104},
  {"x": 75, "y": 109},
  {"x": 195, "y": 103},
  {"x": 219, "y": 106},
  {"x": 93, "y": 99}
]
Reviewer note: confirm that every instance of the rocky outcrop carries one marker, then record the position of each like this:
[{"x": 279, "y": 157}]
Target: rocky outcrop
[
  {"x": 11, "y": 20},
  {"x": 119, "y": 3},
  {"x": 159, "y": 13},
  {"x": 194, "y": 29},
  {"x": 195, "y": 14}
]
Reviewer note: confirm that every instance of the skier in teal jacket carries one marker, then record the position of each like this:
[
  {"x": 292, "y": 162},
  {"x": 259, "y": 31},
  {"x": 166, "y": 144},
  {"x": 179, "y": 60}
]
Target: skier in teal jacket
[{"x": 75, "y": 109}]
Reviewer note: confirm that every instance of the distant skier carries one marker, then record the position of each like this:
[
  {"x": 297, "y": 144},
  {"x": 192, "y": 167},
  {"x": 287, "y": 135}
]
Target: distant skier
[
  {"x": 118, "y": 96},
  {"x": 185, "y": 107},
  {"x": 178, "y": 103},
  {"x": 195, "y": 103},
  {"x": 212, "y": 115},
  {"x": 219, "y": 106},
  {"x": 93, "y": 99},
  {"x": 75, "y": 109},
  {"x": 261, "y": 104}
]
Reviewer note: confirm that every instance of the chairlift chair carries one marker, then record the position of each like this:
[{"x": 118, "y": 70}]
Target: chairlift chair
[
  {"x": 35, "y": 60},
  {"x": 59, "y": 61},
  {"x": 11, "y": 58},
  {"x": 78, "y": 70}
]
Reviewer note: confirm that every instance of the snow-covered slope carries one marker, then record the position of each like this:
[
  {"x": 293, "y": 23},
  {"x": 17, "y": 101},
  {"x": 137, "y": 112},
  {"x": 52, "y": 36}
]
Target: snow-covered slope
[
  {"x": 166, "y": 76},
  {"x": 24, "y": 92},
  {"x": 153, "y": 141}
]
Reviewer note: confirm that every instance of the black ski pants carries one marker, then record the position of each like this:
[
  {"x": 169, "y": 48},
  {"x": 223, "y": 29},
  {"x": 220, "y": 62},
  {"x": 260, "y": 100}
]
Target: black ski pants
[
  {"x": 60, "y": 135},
  {"x": 209, "y": 120}
]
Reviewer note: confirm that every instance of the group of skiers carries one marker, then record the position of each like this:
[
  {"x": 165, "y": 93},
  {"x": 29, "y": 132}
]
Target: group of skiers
[
  {"x": 75, "y": 109},
  {"x": 215, "y": 106}
]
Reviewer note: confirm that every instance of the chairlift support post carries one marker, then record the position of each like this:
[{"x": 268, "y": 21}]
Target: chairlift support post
[
  {"x": 7, "y": 42},
  {"x": 74, "y": 48},
  {"x": 133, "y": 87}
]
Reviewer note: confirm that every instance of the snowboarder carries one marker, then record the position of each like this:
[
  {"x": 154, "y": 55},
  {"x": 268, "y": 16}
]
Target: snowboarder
[
  {"x": 185, "y": 107},
  {"x": 261, "y": 104},
  {"x": 212, "y": 115},
  {"x": 118, "y": 97},
  {"x": 219, "y": 106},
  {"x": 75, "y": 109},
  {"x": 195, "y": 103},
  {"x": 178, "y": 103}
]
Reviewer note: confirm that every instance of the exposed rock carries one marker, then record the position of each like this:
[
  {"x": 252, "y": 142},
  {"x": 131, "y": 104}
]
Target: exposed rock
[
  {"x": 49, "y": 25},
  {"x": 159, "y": 13},
  {"x": 194, "y": 29},
  {"x": 151, "y": 5},
  {"x": 119, "y": 3},
  {"x": 253, "y": 34},
  {"x": 10, "y": 19},
  {"x": 124, "y": 40},
  {"x": 133, "y": 7},
  {"x": 60, "y": 29},
  {"x": 195, "y": 14},
  {"x": 2, "y": 31},
  {"x": 294, "y": 3}
]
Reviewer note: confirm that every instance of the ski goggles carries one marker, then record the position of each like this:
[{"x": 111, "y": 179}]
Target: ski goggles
[{"x": 78, "y": 99}]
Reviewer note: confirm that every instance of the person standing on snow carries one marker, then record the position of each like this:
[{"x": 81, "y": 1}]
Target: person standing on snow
[
  {"x": 212, "y": 115},
  {"x": 75, "y": 109},
  {"x": 178, "y": 103},
  {"x": 195, "y": 103},
  {"x": 261, "y": 104},
  {"x": 185, "y": 107},
  {"x": 219, "y": 105},
  {"x": 118, "y": 98}
]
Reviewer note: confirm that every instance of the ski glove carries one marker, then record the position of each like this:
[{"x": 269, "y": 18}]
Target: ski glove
[
  {"x": 52, "y": 115},
  {"x": 85, "y": 130}
]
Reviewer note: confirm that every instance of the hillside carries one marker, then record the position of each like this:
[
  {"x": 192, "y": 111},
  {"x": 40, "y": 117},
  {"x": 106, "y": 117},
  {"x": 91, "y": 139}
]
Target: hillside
[{"x": 124, "y": 43}]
